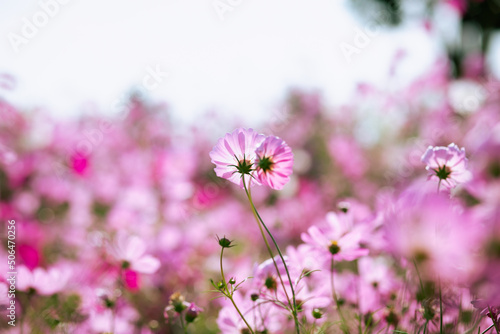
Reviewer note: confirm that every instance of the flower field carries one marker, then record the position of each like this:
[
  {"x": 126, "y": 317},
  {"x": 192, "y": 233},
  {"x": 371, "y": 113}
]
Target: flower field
[{"x": 381, "y": 216}]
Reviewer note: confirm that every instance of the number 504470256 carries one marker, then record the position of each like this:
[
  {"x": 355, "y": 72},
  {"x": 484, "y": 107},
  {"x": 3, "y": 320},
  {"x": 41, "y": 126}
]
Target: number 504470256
[{"x": 11, "y": 245}]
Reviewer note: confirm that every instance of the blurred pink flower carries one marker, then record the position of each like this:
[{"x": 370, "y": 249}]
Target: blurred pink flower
[
  {"x": 447, "y": 165},
  {"x": 348, "y": 155},
  {"x": 44, "y": 282},
  {"x": 29, "y": 255},
  {"x": 79, "y": 163},
  {"x": 4, "y": 291},
  {"x": 274, "y": 162},
  {"x": 7, "y": 156},
  {"x": 234, "y": 155},
  {"x": 266, "y": 282},
  {"x": 337, "y": 239},
  {"x": 131, "y": 280},
  {"x": 377, "y": 281},
  {"x": 459, "y": 5},
  {"x": 436, "y": 234},
  {"x": 490, "y": 310},
  {"x": 107, "y": 320},
  {"x": 130, "y": 251}
]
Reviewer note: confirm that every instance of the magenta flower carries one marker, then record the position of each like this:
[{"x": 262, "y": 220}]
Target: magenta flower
[
  {"x": 274, "y": 162},
  {"x": 131, "y": 279},
  {"x": 447, "y": 165},
  {"x": 234, "y": 155}
]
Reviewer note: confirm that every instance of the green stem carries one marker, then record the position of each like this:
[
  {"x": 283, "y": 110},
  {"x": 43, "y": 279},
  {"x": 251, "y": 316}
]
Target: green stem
[
  {"x": 418, "y": 274},
  {"x": 440, "y": 308},
  {"x": 421, "y": 286},
  {"x": 228, "y": 295},
  {"x": 184, "y": 329},
  {"x": 261, "y": 223},
  {"x": 487, "y": 329},
  {"x": 494, "y": 319},
  {"x": 334, "y": 295}
]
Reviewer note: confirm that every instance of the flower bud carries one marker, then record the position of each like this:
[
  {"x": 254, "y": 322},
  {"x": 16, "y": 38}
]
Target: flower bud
[
  {"x": 178, "y": 303},
  {"x": 224, "y": 242},
  {"x": 192, "y": 312},
  {"x": 317, "y": 313}
]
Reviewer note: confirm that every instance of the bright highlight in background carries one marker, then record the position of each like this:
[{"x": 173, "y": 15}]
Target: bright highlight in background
[{"x": 90, "y": 53}]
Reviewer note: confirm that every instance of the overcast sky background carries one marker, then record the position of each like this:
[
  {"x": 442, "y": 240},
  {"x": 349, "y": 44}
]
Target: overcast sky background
[{"x": 95, "y": 51}]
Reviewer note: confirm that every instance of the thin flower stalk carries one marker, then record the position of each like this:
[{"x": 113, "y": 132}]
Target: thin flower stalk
[
  {"x": 228, "y": 294},
  {"x": 260, "y": 222}
]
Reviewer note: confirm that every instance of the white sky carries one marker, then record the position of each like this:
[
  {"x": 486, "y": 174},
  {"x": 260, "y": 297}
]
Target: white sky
[{"x": 95, "y": 51}]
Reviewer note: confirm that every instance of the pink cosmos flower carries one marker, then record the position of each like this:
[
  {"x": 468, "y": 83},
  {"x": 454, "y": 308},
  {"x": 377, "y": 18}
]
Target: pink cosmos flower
[
  {"x": 338, "y": 239},
  {"x": 44, "y": 282},
  {"x": 377, "y": 281},
  {"x": 234, "y": 155},
  {"x": 129, "y": 250},
  {"x": 487, "y": 309},
  {"x": 107, "y": 320},
  {"x": 274, "y": 162},
  {"x": 266, "y": 282},
  {"x": 435, "y": 233},
  {"x": 447, "y": 165}
]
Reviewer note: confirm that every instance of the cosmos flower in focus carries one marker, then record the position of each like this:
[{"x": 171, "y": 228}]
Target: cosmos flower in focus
[
  {"x": 447, "y": 165},
  {"x": 234, "y": 155},
  {"x": 259, "y": 159},
  {"x": 274, "y": 162}
]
